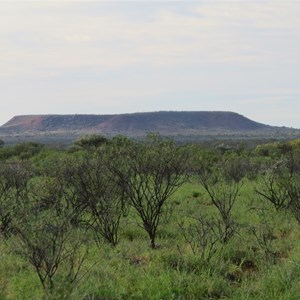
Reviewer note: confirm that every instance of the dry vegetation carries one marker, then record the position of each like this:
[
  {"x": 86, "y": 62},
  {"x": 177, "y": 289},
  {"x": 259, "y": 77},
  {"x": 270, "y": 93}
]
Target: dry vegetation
[{"x": 119, "y": 219}]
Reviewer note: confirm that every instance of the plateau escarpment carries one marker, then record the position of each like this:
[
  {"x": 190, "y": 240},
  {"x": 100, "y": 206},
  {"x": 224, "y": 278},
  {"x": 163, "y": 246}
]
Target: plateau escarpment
[{"x": 171, "y": 123}]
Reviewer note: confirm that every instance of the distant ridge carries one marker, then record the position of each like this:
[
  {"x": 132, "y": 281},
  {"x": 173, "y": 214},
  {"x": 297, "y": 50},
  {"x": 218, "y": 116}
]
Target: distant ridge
[
  {"x": 172, "y": 123},
  {"x": 165, "y": 121}
]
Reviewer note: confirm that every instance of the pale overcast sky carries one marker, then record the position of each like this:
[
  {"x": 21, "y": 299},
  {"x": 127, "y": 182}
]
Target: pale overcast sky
[{"x": 65, "y": 57}]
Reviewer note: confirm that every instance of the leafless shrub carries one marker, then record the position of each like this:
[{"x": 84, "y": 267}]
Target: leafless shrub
[
  {"x": 44, "y": 234},
  {"x": 202, "y": 236},
  {"x": 223, "y": 190},
  {"x": 150, "y": 173}
]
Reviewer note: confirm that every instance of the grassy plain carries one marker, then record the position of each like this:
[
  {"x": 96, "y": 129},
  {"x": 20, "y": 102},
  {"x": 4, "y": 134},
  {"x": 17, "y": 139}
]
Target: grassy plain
[
  {"x": 241, "y": 269},
  {"x": 260, "y": 261}
]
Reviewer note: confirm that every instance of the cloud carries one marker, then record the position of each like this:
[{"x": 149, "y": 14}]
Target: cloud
[
  {"x": 211, "y": 32},
  {"x": 206, "y": 33},
  {"x": 144, "y": 54}
]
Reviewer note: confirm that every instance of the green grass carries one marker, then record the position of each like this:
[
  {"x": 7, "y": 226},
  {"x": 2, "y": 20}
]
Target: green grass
[{"x": 131, "y": 270}]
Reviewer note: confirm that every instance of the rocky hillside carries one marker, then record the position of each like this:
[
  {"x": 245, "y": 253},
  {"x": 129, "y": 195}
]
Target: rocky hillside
[
  {"x": 133, "y": 124},
  {"x": 195, "y": 124}
]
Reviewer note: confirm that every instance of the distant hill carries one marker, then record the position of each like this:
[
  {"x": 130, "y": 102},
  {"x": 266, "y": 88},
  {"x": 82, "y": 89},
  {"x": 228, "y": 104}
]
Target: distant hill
[
  {"x": 135, "y": 123},
  {"x": 173, "y": 123}
]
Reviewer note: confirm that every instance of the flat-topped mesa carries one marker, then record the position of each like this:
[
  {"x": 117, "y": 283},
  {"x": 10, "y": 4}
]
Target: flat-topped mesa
[
  {"x": 53, "y": 122},
  {"x": 165, "y": 122}
]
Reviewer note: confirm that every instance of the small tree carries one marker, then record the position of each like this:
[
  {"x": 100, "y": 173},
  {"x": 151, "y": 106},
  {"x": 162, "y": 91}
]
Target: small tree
[
  {"x": 45, "y": 235},
  {"x": 14, "y": 178},
  {"x": 280, "y": 184},
  {"x": 222, "y": 187},
  {"x": 202, "y": 234},
  {"x": 150, "y": 173},
  {"x": 100, "y": 197},
  {"x": 273, "y": 186},
  {"x": 91, "y": 142}
]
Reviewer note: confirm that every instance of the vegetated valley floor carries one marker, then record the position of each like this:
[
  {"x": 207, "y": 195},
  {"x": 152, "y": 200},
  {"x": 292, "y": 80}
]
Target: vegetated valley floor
[{"x": 261, "y": 260}]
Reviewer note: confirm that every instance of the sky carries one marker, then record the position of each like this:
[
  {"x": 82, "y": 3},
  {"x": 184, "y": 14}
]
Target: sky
[{"x": 106, "y": 57}]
